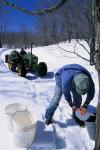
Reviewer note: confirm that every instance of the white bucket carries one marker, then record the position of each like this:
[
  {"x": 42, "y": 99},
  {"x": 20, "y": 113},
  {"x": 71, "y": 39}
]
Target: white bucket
[
  {"x": 24, "y": 128},
  {"x": 9, "y": 111},
  {"x": 91, "y": 128}
]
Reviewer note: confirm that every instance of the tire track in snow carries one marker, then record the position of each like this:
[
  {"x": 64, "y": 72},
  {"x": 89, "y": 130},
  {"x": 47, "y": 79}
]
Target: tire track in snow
[{"x": 8, "y": 77}]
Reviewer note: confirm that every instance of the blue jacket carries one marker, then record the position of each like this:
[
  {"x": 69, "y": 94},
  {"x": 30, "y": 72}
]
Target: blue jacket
[{"x": 64, "y": 79}]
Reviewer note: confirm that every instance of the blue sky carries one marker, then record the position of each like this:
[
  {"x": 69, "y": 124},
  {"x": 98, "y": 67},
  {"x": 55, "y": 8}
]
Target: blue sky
[{"x": 18, "y": 20}]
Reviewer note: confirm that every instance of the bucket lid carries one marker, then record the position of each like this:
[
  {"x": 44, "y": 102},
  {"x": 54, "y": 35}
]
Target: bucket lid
[
  {"x": 83, "y": 117},
  {"x": 22, "y": 119},
  {"x": 11, "y": 108}
]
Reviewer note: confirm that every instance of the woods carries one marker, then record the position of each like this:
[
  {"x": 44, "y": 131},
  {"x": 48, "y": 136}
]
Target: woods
[{"x": 61, "y": 24}]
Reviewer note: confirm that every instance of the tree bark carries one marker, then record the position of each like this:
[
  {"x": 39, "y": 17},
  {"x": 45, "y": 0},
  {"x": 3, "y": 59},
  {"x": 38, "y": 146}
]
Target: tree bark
[
  {"x": 97, "y": 137},
  {"x": 97, "y": 29},
  {"x": 0, "y": 43}
]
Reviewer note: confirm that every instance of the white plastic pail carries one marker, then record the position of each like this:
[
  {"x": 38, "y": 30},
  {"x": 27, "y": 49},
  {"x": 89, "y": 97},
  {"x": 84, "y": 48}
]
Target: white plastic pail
[
  {"x": 24, "y": 128},
  {"x": 9, "y": 111},
  {"x": 91, "y": 128}
]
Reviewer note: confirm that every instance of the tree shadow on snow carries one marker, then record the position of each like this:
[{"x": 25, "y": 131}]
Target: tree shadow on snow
[{"x": 49, "y": 75}]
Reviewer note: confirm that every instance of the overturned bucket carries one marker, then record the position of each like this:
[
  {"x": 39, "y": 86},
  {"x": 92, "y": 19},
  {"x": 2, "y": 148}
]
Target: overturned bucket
[
  {"x": 9, "y": 111},
  {"x": 24, "y": 128}
]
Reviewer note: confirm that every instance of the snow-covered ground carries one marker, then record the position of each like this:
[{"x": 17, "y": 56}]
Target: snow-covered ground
[{"x": 36, "y": 93}]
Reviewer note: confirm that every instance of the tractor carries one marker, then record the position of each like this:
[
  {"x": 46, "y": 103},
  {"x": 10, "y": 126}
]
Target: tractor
[{"x": 23, "y": 63}]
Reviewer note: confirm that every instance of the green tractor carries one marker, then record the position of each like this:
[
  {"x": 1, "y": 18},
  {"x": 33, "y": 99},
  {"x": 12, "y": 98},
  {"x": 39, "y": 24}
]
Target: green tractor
[{"x": 24, "y": 63}]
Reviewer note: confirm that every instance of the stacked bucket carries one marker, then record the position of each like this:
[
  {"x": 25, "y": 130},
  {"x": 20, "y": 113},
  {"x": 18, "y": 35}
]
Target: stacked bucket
[{"x": 21, "y": 123}]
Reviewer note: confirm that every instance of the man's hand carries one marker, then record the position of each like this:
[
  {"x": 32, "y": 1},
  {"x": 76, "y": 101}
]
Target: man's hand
[
  {"x": 74, "y": 108},
  {"x": 83, "y": 110}
]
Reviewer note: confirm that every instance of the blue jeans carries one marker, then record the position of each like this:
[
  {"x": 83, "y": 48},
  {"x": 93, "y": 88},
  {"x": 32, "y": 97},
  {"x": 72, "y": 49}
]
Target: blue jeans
[
  {"x": 77, "y": 99},
  {"x": 54, "y": 103}
]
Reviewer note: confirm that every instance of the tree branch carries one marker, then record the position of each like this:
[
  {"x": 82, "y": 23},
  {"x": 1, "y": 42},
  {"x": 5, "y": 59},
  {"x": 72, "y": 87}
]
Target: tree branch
[
  {"x": 83, "y": 46},
  {"x": 74, "y": 52},
  {"x": 79, "y": 54},
  {"x": 39, "y": 12},
  {"x": 66, "y": 51}
]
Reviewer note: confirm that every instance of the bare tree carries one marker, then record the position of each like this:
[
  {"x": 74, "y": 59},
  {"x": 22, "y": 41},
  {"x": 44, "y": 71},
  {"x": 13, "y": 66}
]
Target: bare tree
[
  {"x": 24, "y": 38},
  {"x": 73, "y": 25}
]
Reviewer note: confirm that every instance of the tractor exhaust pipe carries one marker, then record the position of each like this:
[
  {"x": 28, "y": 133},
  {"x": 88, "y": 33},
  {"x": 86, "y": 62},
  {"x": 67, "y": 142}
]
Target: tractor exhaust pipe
[{"x": 31, "y": 47}]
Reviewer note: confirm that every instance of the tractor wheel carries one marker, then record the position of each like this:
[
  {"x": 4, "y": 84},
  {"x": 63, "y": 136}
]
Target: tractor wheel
[
  {"x": 6, "y": 58},
  {"x": 42, "y": 69},
  {"x": 21, "y": 70}
]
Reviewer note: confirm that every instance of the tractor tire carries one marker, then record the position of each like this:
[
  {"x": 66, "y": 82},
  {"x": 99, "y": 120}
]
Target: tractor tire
[
  {"x": 21, "y": 70},
  {"x": 42, "y": 69},
  {"x": 6, "y": 58}
]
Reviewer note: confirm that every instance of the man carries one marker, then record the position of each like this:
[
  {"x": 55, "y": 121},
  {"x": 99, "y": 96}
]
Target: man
[
  {"x": 22, "y": 52},
  {"x": 73, "y": 81}
]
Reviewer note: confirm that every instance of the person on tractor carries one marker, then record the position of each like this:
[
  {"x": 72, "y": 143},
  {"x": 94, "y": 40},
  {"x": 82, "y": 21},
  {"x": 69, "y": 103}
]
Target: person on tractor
[
  {"x": 22, "y": 52},
  {"x": 73, "y": 81}
]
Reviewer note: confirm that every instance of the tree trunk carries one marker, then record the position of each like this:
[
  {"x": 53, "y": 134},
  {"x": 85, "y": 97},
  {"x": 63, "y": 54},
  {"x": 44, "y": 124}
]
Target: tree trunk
[
  {"x": 0, "y": 43},
  {"x": 97, "y": 28},
  {"x": 97, "y": 139}
]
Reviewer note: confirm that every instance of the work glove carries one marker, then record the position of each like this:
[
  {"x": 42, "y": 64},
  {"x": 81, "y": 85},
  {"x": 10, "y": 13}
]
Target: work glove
[{"x": 83, "y": 110}]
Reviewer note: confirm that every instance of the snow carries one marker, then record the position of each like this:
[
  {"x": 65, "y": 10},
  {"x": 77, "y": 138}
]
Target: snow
[{"x": 35, "y": 93}]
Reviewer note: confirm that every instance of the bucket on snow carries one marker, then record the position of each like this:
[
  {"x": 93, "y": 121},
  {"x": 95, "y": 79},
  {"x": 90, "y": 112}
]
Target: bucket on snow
[
  {"x": 91, "y": 127},
  {"x": 89, "y": 119},
  {"x": 9, "y": 111},
  {"x": 24, "y": 128}
]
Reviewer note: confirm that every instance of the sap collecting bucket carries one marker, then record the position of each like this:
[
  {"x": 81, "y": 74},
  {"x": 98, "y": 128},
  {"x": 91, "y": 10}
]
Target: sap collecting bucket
[
  {"x": 10, "y": 110},
  {"x": 89, "y": 119},
  {"x": 91, "y": 128},
  {"x": 24, "y": 128}
]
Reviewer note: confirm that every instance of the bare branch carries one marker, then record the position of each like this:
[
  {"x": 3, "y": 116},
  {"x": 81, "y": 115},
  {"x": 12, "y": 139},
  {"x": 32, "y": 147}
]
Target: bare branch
[
  {"x": 79, "y": 54},
  {"x": 74, "y": 52},
  {"x": 83, "y": 46},
  {"x": 65, "y": 51},
  {"x": 39, "y": 12}
]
